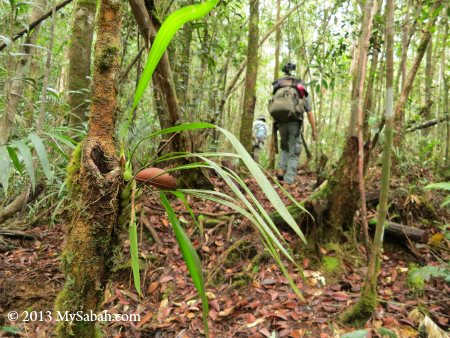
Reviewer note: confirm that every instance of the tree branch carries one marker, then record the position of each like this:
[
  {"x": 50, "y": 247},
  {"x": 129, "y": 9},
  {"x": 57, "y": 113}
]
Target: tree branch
[{"x": 37, "y": 22}]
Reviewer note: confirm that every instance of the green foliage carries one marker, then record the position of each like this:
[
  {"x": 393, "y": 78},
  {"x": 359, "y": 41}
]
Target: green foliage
[
  {"x": 417, "y": 277},
  {"x": 190, "y": 257},
  {"x": 382, "y": 331},
  {"x": 331, "y": 264},
  {"x": 441, "y": 186},
  {"x": 165, "y": 34}
]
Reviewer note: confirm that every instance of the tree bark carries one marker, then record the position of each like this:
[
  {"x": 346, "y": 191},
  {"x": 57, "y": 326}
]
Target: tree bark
[
  {"x": 15, "y": 87},
  {"x": 365, "y": 306},
  {"x": 94, "y": 178},
  {"x": 36, "y": 22},
  {"x": 273, "y": 139},
  {"x": 248, "y": 113},
  {"x": 78, "y": 83},
  {"x": 428, "y": 84},
  {"x": 407, "y": 87},
  {"x": 343, "y": 190},
  {"x": 445, "y": 80}
]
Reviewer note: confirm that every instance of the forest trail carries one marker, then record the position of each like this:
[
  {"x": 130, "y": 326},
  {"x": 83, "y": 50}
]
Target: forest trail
[{"x": 249, "y": 296}]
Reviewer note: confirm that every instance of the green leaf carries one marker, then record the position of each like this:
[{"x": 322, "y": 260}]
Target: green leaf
[
  {"x": 10, "y": 329},
  {"x": 384, "y": 332},
  {"x": 165, "y": 34},
  {"x": 134, "y": 251},
  {"x": 5, "y": 163},
  {"x": 27, "y": 159},
  {"x": 42, "y": 154},
  {"x": 15, "y": 159},
  {"x": 356, "y": 334},
  {"x": 439, "y": 186},
  {"x": 190, "y": 257},
  {"x": 63, "y": 138},
  {"x": 263, "y": 182}
]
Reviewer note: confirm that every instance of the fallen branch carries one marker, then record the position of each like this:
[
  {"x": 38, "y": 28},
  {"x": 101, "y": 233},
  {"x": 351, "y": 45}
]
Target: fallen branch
[
  {"x": 37, "y": 22},
  {"x": 16, "y": 234},
  {"x": 405, "y": 232},
  {"x": 152, "y": 230},
  {"x": 19, "y": 202},
  {"x": 428, "y": 124}
]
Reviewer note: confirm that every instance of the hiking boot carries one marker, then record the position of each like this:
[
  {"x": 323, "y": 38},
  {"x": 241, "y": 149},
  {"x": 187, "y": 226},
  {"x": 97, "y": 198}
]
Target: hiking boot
[{"x": 280, "y": 174}]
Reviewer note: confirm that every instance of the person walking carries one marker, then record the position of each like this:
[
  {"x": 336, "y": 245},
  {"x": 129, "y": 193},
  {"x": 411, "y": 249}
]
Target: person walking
[{"x": 287, "y": 106}]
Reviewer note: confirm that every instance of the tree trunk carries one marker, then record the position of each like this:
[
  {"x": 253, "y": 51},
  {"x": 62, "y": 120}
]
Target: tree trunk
[
  {"x": 94, "y": 178},
  {"x": 15, "y": 87},
  {"x": 428, "y": 85},
  {"x": 343, "y": 189},
  {"x": 78, "y": 83},
  {"x": 365, "y": 306},
  {"x": 273, "y": 138},
  {"x": 422, "y": 47},
  {"x": 245, "y": 134},
  {"x": 445, "y": 80}
]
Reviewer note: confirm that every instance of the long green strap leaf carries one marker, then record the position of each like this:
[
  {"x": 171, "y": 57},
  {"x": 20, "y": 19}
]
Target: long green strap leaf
[
  {"x": 27, "y": 159},
  {"x": 5, "y": 163},
  {"x": 190, "y": 257},
  {"x": 165, "y": 34},
  {"x": 42, "y": 154}
]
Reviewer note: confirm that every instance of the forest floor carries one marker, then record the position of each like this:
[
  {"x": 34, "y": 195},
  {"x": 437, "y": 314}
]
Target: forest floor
[{"x": 249, "y": 296}]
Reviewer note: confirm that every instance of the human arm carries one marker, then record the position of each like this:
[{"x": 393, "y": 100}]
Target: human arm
[
  {"x": 311, "y": 119},
  {"x": 312, "y": 122}
]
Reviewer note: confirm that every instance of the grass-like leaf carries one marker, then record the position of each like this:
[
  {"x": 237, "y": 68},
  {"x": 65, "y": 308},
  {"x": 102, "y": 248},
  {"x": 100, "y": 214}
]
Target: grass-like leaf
[
  {"x": 27, "y": 159},
  {"x": 165, "y": 34},
  {"x": 5, "y": 164},
  {"x": 42, "y": 154},
  {"x": 190, "y": 257}
]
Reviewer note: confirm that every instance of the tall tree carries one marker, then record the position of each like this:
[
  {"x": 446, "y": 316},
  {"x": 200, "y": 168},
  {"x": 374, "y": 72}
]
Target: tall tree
[
  {"x": 273, "y": 139},
  {"x": 364, "y": 308},
  {"x": 445, "y": 79},
  {"x": 80, "y": 51},
  {"x": 408, "y": 84},
  {"x": 248, "y": 113},
  {"x": 14, "y": 88},
  {"x": 343, "y": 189},
  {"x": 94, "y": 179}
]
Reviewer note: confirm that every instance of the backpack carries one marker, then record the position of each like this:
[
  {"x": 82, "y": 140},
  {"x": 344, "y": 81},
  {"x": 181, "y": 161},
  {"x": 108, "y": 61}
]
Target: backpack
[
  {"x": 261, "y": 132},
  {"x": 286, "y": 104}
]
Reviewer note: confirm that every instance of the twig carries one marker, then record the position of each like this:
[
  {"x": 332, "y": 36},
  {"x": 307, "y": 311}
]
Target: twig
[
  {"x": 37, "y": 22},
  {"x": 150, "y": 228}
]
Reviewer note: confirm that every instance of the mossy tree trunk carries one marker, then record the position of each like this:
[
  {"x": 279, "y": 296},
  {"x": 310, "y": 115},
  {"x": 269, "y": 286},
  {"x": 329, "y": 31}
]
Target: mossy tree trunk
[
  {"x": 80, "y": 49},
  {"x": 245, "y": 135},
  {"x": 94, "y": 177}
]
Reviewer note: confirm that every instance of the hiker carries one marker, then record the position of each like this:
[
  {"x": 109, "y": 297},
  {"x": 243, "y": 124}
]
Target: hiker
[
  {"x": 260, "y": 131},
  {"x": 287, "y": 106}
]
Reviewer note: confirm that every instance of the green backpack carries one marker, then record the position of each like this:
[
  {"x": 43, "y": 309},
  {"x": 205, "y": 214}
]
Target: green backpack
[{"x": 286, "y": 104}]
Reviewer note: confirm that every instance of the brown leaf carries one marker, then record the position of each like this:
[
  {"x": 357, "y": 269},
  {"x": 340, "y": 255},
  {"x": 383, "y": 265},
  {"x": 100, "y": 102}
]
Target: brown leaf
[
  {"x": 144, "y": 319},
  {"x": 249, "y": 318},
  {"x": 226, "y": 312},
  {"x": 340, "y": 296},
  {"x": 265, "y": 332},
  {"x": 152, "y": 287},
  {"x": 213, "y": 314}
]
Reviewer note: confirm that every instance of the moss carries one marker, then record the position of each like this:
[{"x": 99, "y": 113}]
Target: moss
[
  {"x": 331, "y": 264},
  {"x": 107, "y": 58},
  {"x": 240, "y": 280},
  {"x": 74, "y": 166},
  {"x": 362, "y": 310}
]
